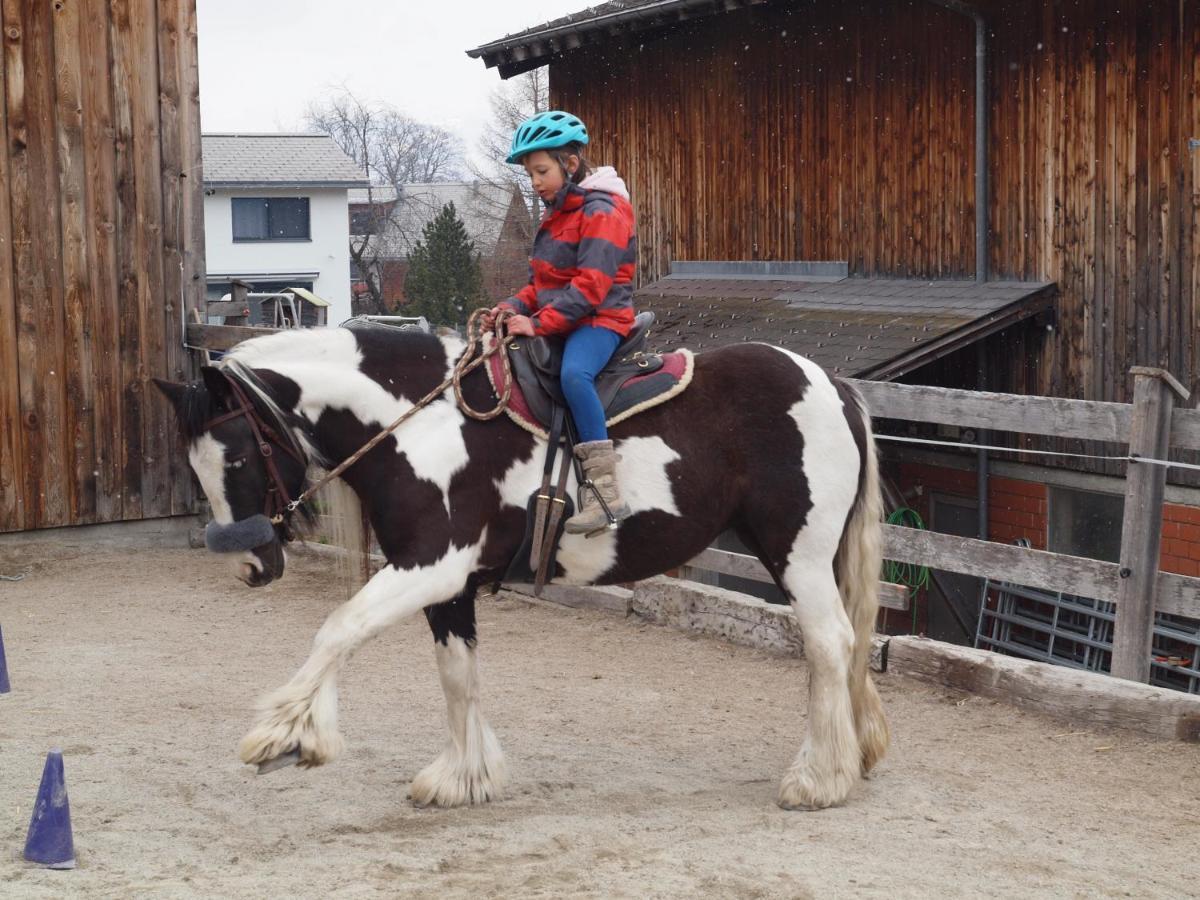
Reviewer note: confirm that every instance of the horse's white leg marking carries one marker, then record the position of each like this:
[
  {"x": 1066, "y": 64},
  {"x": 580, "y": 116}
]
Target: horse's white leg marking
[
  {"x": 303, "y": 713},
  {"x": 829, "y": 762},
  {"x": 471, "y": 768}
]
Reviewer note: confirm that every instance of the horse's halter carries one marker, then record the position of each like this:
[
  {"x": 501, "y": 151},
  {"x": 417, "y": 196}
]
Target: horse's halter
[{"x": 278, "y": 504}]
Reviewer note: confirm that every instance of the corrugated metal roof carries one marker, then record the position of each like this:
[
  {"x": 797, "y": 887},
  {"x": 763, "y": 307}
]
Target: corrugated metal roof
[
  {"x": 482, "y": 207},
  {"x": 862, "y": 327},
  {"x": 260, "y": 160}
]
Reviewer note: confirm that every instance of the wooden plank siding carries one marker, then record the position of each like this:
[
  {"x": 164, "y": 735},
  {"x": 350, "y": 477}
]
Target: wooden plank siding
[
  {"x": 12, "y": 468},
  {"x": 100, "y": 249},
  {"x": 791, "y": 132},
  {"x": 845, "y": 131}
]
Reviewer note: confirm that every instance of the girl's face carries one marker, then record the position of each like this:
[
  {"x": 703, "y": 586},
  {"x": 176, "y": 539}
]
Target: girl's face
[{"x": 546, "y": 174}]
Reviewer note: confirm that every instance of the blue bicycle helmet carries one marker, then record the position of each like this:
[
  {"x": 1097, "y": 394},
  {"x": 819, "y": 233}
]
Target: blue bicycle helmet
[{"x": 545, "y": 131}]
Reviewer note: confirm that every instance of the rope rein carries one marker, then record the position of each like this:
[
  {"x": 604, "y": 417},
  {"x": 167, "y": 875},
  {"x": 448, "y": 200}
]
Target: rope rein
[{"x": 462, "y": 368}]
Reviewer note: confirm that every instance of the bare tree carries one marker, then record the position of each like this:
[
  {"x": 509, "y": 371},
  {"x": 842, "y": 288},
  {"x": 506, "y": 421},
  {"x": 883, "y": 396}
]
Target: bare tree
[
  {"x": 415, "y": 153},
  {"x": 512, "y": 103},
  {"x": 393, "y": 149}
]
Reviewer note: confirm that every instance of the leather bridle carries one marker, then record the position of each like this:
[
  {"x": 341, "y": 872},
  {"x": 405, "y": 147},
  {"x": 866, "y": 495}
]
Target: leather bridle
[{"x": 278, "y": 504}]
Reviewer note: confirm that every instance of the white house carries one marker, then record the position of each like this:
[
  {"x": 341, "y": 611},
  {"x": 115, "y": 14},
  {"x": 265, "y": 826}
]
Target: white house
[{"x": 276, "y": 215}]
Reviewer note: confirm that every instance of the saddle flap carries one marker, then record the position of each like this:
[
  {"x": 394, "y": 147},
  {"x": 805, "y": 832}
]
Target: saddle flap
[{"x": 545, "y": 354}]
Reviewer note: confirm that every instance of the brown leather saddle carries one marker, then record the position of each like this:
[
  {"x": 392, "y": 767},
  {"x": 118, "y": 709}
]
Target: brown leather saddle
[{"x": 536, "y": 363}]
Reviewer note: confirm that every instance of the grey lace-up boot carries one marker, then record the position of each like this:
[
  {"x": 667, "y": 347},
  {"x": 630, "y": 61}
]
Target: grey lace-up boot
[{"x": 600, "y": 467}]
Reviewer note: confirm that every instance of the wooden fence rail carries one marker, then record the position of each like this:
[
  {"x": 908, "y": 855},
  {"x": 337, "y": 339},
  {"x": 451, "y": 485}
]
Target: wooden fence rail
[
  {"x": 1083, "y": 419},
  {"x": 742, "y": 565},
  {"x": 999, "y": 412},
  {"x": 222, "y": 337},
  {"x": 1177, "y": 594}
]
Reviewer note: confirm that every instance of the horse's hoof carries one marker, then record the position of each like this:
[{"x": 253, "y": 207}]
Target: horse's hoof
[
  {"x": 282, "y": 761},
  {"x": 796, "y": 807},
  {"x": 799, "y": 790}
]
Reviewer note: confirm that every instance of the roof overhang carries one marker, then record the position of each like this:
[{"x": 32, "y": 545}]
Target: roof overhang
[
  {"x": 1032, "y": 304},
  {"x": 536, "y": 47},
  {"x": 870, "y": 328}
]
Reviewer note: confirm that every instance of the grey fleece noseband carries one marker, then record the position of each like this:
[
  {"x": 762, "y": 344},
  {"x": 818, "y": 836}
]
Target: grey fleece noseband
[{"x": 245, "y": 534}]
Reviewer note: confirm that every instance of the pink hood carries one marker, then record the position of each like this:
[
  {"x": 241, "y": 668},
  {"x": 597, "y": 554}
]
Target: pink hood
[{"x": 606, "y": 179}]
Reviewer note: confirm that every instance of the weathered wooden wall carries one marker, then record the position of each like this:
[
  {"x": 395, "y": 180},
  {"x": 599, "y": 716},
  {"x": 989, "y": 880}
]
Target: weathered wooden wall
[
  {"x": 822, "y": 130},
  {"x": 791, "y": 131},
  {"x": 1094, "y": 184},
  {"x": 101, "y": 251}
]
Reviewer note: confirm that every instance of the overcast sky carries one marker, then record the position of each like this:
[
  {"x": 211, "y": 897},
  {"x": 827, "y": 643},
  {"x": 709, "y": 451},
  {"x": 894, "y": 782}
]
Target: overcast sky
[{"x": 263, "y": 61}]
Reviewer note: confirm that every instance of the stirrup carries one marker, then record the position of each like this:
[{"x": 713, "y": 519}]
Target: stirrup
[{"x": 610, "y": 526}]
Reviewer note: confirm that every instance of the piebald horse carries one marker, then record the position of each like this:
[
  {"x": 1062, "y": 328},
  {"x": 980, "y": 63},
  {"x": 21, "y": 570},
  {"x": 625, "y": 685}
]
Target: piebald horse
[{"x": 763, "y": 442}]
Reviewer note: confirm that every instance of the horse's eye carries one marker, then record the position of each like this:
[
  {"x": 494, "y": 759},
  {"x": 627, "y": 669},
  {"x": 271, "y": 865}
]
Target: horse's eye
[{"x": 235, "y": 464}]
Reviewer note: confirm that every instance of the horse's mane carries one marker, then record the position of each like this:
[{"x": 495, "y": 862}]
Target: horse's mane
[
  {"x": 313, "y": 344},
  {"x": 289, "y": 426},
  {"x": 197, "y": 405}
]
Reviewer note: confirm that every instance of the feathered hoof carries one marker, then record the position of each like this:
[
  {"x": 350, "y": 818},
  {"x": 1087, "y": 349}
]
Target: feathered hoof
[
  {"x": 286, "y": 729},
  {"x": 801, "y": 790},
  {"x": 451, "y": 781}
]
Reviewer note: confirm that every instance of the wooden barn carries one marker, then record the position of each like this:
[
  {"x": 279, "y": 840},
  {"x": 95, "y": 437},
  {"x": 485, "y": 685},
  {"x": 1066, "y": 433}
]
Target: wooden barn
[
  {"x": 813, "y": 130},
  {"x": 101, "y": 257},
  {"x": 999, "y": 195}
]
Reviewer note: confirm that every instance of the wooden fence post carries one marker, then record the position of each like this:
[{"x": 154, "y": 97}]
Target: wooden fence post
[{"x": 1154, "y": 395}]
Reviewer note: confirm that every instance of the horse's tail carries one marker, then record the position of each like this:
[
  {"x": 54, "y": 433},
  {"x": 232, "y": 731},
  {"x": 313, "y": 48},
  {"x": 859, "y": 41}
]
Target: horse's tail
[{"x": 857, "y": 568}]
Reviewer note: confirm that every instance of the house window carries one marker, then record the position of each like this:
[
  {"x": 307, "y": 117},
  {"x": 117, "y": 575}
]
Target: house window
[
  {"x": 364, "y": 220},
  {"x": 270, "y": 219},
  {"x": 1086, "y": 523}
]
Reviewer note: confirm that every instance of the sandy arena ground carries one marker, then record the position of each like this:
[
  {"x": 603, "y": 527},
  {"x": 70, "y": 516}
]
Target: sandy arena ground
[{"x": 644, "y": 761}]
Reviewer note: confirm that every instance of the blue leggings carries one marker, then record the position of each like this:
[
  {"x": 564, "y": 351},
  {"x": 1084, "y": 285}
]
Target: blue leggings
[{"x": 587, "y": 352}]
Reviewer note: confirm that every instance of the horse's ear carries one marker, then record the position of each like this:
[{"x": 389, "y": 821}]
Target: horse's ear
[
  {"x": 171, "y": 390},
  {"x": 216, "y": 382}
]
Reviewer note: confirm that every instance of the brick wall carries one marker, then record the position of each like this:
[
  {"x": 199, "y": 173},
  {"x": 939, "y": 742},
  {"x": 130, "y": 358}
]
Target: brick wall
[
  {"x": 1181, "y": 540},
  {"x": 1020, "y": 509}
]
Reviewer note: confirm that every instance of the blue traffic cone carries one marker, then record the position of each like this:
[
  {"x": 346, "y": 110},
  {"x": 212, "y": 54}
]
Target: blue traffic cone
[
  {"x": 50, "y": 842},
  {"x": 4, "y": 685}
]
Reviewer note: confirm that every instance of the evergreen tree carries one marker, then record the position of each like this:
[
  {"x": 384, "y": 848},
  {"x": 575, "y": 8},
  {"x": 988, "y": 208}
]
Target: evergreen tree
[{"x": 445, "y": 280}]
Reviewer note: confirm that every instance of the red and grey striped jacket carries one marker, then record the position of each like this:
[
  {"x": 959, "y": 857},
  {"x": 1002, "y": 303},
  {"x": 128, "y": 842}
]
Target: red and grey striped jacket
[{"x": 584, "y": 256}]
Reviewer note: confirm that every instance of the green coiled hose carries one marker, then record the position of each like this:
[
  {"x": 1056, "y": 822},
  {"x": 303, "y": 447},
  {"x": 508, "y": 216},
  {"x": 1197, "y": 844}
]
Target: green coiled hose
[{"x": 913, "y": 577}]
